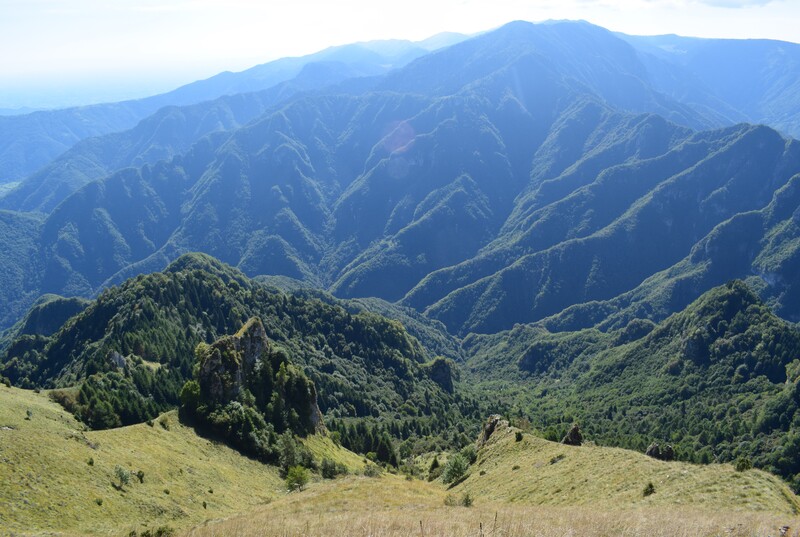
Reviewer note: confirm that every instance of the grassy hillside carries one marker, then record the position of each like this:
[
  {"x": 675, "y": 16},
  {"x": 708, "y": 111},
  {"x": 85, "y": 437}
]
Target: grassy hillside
[
  {"x": 58, "y": 490},
  {"x": 534, "y": 471},
  {"x": 54, "y": 474},
  {"x": 600, "y": 494}
]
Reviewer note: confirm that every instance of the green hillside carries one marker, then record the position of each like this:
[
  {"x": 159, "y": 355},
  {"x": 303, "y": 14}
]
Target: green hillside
[
  {"x": 70, "y": 485},
  {"x": 125, "y": 357},
  {"x": 534, "y": 487},
  {"x": 58, "y": 477},
  {"x": 717, "y": 380}
]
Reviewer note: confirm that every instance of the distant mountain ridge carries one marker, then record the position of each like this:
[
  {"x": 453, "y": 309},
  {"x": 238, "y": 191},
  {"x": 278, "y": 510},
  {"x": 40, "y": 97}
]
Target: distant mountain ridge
[
  {"x": 756, "y": 80},
  {"x": 493, "y": 182},
  {"x": 29, "y": 141}
]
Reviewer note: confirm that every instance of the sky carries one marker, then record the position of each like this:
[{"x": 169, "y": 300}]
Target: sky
[{"x": 58, "y": 52}]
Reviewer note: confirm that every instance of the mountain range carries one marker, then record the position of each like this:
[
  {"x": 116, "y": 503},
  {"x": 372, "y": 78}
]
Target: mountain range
[
  {"x": 464, "y": 192},
  {"x": 29, "y": 141},
  {"x": 538, "y": 203}
]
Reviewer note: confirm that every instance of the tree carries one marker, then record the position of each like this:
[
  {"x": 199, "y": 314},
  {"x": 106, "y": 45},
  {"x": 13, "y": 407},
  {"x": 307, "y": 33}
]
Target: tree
[
  {"x": 190, "y": 396},
  {"x": 296, "y": 478},
  {"x": 455, "y": 469}
]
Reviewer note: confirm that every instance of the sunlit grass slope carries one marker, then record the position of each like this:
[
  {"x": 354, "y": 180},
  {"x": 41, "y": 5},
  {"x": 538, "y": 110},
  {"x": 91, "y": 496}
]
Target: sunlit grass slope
[
  {"x": 54, "y": 477},
  {"x": 534, "y": 471},
  {"x": 390, "y": 506},
  {"x": 534, "y": 487}
]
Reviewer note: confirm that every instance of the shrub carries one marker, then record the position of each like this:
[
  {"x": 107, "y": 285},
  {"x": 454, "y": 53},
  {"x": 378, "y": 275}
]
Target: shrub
[
  {"x": 455, "y": 469},
  {"x": 330, "y": 469},
  {"x": 372, "y": 470},
  {"x": 190, "y": 396},
  {"x": 649, "y": 489},
  {"x": 464, "y": 501},
  {"x": 292, "y": 453},
  {"x": 98, "y": 501},
  {"x": 162, "y": 531},
  {"x": 435, "y": 473},
  {"x": 327, "y": 468},
  {"x": 90, "y": 462},
  {"x": 743, "y": 464},
  {"x": 68, "y": 399},
  {"x": 296, "y": 478},
  {"x": 123, "y": 475},
  {"x": 164, "y": 423},
  {"x": 515, "y": 467}
]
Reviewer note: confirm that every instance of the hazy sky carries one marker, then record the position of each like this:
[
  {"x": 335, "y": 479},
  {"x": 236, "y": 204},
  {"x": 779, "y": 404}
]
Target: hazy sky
[{"x": 137, "y": 45}]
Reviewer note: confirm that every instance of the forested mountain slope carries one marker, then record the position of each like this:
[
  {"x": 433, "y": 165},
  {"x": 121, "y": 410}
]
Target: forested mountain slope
[
  {"x": 718, "y": 380},
  {"x": 129, "y": 352},
  {"x": 487, "y": 196}
]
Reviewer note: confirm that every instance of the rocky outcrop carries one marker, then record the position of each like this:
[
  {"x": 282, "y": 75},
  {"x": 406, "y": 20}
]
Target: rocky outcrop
[
  {"x": 492, "y": 424},
  {"x": 573, "y": 437},
  {"x": 441, "y": 371},
  {"x": 226, "y": 362},
  {"x": 247, "y": 360},
  {"x": 663, "y": 454}
]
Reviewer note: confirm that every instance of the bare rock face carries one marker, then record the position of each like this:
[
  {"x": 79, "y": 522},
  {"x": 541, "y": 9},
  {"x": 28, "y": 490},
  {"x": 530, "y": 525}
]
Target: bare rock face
[
  {"x": 227, "y": 361},
  {"x": 492, "y": 423},
  {"x": 316, "y": 414},
  {"x": 573, "y": 437}
]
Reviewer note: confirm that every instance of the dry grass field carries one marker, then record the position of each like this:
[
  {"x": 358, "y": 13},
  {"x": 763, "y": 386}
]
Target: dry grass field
[
  {"x": 389, "y": 506},
  {"x": 534, "y": 471},
  {"x": 57, "y": 479}
]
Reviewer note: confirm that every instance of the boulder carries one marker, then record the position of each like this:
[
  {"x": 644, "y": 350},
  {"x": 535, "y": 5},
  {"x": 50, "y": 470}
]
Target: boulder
[{"x": 573, "y": 437}]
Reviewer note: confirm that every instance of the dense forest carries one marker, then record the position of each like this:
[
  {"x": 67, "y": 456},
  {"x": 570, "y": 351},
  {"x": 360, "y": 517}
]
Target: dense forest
[{"x": 126, "y": 356}]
